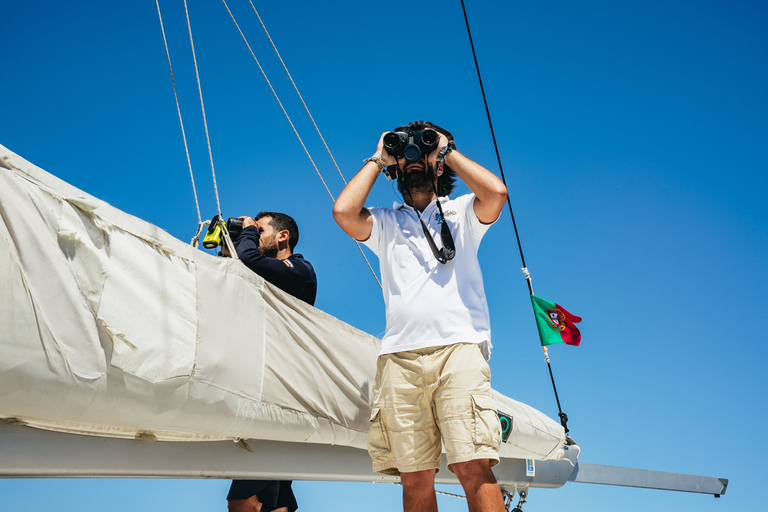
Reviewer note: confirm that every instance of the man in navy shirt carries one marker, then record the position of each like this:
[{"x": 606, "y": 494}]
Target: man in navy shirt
[{"x": 266, "y": 246}]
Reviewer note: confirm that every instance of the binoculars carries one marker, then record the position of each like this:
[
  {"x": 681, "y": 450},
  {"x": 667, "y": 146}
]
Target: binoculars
[
  {"x": 213, "y": 236},
  {"x": 410, "y": 144}
]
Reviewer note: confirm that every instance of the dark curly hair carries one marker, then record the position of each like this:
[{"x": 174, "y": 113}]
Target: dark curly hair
[
  {"x": 281, "y": 221},
  {"x": 445, "y": 183}
]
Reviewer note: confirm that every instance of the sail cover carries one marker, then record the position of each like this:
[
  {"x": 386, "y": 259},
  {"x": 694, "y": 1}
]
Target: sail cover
[{"x": 112, "y": 327}]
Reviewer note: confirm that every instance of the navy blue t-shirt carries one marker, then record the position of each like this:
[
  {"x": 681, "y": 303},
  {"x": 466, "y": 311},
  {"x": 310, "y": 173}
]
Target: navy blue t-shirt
[{"x": 293, "y": 275}]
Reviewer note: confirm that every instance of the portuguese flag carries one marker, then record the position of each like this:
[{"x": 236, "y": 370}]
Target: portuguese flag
[{"x": 556, "y": 325}]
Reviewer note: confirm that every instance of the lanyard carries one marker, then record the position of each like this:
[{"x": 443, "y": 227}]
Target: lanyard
[{"x": 449, "y": 249}]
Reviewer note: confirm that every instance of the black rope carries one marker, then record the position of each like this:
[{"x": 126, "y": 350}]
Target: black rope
[
  {"x": 561, "y": 414},
  {"x": 495, "y": 145},
  {"x": 563, "y": 417}
]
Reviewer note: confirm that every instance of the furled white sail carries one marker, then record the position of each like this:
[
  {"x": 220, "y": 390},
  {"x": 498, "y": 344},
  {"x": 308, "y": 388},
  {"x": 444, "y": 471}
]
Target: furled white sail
[{"x": 109, "y": 327}]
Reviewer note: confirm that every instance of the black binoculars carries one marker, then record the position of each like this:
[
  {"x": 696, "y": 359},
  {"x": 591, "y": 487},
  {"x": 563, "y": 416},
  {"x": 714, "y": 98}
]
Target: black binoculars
[
  {"x": 235, "y": 227},
  {"x": 410, "y": 144}
]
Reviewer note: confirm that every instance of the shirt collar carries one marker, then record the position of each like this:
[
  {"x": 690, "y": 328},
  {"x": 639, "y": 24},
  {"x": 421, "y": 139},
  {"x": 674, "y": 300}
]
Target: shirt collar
[{"x": 404, "y": 206}]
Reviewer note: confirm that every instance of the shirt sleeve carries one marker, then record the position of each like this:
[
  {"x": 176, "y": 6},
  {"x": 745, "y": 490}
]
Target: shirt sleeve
[
  {"x": 477, "y": 228},
  {"x": 292, "y": 277},
  {"x": 374, "y": 241}
]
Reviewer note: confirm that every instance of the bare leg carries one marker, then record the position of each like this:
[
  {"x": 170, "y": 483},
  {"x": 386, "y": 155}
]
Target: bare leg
[
  {"x": 483, "y": 493},
  {"x": 419, "y": 491},
  {"x": 252, "y": 504}
]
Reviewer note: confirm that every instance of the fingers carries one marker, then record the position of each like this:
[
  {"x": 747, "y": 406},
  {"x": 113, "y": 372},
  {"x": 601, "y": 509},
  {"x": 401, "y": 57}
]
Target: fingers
[{"x": 383, "y": 153}]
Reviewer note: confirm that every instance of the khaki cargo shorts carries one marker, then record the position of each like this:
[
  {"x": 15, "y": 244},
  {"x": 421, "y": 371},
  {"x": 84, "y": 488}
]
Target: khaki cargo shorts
[{"x": 423, "y": 395}]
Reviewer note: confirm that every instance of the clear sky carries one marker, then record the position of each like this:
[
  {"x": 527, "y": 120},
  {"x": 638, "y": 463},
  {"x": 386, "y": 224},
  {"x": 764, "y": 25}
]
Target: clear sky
[{"x": 633, "y": 137}]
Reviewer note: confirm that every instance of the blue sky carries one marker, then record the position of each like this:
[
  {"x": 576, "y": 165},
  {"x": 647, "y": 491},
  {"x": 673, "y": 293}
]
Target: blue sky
[{"x": 632, "y": 136}]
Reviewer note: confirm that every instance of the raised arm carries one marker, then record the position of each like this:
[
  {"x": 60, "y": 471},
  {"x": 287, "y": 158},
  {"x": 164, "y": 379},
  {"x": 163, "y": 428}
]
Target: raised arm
[
  {"x": 490, "y": 192},
  {"x": 349, "y": 210}
]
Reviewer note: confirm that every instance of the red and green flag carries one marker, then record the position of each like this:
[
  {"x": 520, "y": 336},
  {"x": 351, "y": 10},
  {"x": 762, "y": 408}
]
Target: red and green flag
[{"x": 556, "y": 325}]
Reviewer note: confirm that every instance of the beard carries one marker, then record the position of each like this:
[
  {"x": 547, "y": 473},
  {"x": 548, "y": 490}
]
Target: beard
[
  {"x": 417, "y": 181},
  {"x": 268, "y": 246}
]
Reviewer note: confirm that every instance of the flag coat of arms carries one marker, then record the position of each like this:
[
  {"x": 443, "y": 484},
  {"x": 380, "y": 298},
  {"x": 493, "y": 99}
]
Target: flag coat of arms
[{"x": 555, "y": 324}]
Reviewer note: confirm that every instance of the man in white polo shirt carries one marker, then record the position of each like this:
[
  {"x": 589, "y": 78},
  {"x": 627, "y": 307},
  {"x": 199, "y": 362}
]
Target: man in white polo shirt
[{"x": 432, "y": 377}]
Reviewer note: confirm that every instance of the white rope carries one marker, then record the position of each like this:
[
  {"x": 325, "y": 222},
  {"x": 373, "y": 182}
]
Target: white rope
[
  {"x": 178, "y": 109},
  {"x": 274, "y": 93},
  {"x": 202, "y": 106},
  {"x": 298, "y": 93},
  {"x": 438, "y": 492},
  {"x": 228, "y": 240},
  {"x": 527, "y": 275},
  {"x": 528, "y": 278},
  {"x": 278, "y": 100},
  {"x": 196, "y": 238},
  {"x": 452, "y": 495}
]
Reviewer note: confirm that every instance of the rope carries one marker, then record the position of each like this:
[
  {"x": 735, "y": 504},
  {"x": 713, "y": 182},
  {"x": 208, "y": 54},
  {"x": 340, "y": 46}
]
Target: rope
[
  {"x": 278, "y": 100},
  {"x": 299, "y": 94},
  {"x": 438, "y": 492},
  {"x": 493, "y": 135},
  {"x": 196, "y": 238},
  {"x": 449, "y": 494},
  {"x": 274, "y": 93},
  {"x": 202, "y": 106},
  {"x": 178, "y": 109},
  {"x": 562, "y": 415}
]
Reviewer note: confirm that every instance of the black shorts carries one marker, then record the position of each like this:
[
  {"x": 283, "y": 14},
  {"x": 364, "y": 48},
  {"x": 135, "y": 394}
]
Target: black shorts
[{"x": 273, "y": 494}]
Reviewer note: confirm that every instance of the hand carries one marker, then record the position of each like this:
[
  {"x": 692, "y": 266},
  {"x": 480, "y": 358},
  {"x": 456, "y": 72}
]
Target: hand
[
  {"x": 247, "y": 221},
  {"x": 383, "y": 153},
  {"x": 442, "y": 141}
]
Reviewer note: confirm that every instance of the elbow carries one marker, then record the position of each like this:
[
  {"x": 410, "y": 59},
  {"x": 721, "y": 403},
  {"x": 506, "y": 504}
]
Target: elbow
[
  {"x": 344, "y": 215},
  {"x": 352, "y": 221},
  {"x": 500, "y": 194},
  {"x": 493, "y": 203},
  {"x": 340, "y": 213}
]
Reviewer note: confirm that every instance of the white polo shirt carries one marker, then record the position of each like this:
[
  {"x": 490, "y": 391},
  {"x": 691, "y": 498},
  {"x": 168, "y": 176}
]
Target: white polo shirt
[{"x": 431, "y": 304}]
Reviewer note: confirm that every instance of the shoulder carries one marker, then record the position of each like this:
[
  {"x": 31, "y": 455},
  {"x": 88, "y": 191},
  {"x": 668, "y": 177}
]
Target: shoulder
[
  {"x": 296, "y": 261},
  {"x": 385, "y": 216},
  {"x": 460, "y": 205}
]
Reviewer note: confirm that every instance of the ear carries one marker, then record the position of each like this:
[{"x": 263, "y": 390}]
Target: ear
[
  {"x": 283, "y": 236},
  {"x": 439, "y": 171}
]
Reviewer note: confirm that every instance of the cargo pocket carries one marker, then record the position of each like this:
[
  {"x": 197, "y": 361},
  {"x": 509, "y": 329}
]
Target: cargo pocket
[
  {"x": 378, "y": 438},
  {"x": 486, "y": 421}
]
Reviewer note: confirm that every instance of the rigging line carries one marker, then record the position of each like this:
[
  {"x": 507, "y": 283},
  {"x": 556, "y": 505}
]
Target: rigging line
[
  {"x": 274, "y": 93},
  {"x": 495, "y": 145},
  {"x": 317, "y": 129},
  {"x": 298, "y": 93},
  {"x": 178, "y": 109},
  {"x": 561, "y": 414},
  {"x": 438, "y": 492},
  {"x": 202, "y": 106},
  {"x": 278, "y": 101}
]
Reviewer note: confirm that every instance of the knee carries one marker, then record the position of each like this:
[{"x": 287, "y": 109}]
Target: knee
[
  {"x": 418, "y": 480},
  {"x": 475, "y": 472}
]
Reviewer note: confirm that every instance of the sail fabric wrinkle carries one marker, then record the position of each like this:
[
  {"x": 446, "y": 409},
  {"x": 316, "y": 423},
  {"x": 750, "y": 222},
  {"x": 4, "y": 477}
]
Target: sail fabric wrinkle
[
  {"x": 534, "y": 435},
  {"x": 148, "y": 307},
  {"x": 113, "y": 327},
  {"x": 29, "y": 218},
  {"x": 299, "y": 382},
  {"x": 230, "y": 338}
]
